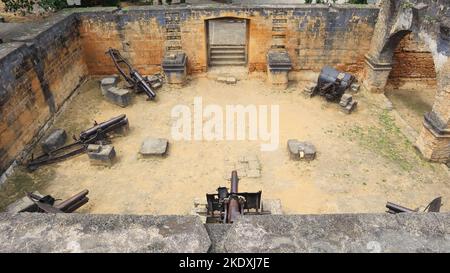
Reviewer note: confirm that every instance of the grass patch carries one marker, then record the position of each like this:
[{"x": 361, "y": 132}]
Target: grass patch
[
  {"x": 22, "y": 181},
  {"x": 385, "y": 139}
]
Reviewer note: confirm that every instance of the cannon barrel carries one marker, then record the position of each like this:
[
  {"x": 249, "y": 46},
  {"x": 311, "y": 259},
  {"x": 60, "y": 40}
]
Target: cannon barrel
[
  {"x": 234, "y": 207},
  {"x": 76, "y": 205},
  {"x": 394, "y": 208},
  {"x": 142, "y": 84},
  {"x": 101, "y": 126},
  {"x": 234, "y": 182},
  {"x": 73, "y": 201}
]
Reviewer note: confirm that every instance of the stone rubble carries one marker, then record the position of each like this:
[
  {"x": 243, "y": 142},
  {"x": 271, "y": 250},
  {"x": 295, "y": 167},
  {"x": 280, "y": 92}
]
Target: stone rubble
[
  {"x": 348, "y": 105},
  {"x": 308, "y": 90},
  {"x": 54, "y": 141}
]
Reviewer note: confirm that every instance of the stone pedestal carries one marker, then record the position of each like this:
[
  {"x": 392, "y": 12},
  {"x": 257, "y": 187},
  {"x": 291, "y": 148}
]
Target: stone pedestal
[
  {"x": 118, "y": 96},
  {"x": 174, "y": 66},
  {"x": 102, "y": 155},
  {"x": 278, "y": 66},
  {"x": 434, "y": 140},
  {"x": 377, "y": 75}
]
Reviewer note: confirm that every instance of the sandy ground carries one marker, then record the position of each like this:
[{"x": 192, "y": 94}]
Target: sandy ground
[{"x": 363, "y": 159}]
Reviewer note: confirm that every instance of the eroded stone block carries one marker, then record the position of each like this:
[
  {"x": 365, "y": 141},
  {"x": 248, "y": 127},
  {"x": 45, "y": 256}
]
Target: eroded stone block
[
  {"x": 54, "y": 141},
  {"x": 107, "y": 83},
  {"x": 351, "y": 106},
  {"x": 301, "y": 150},
  {"x": 154, "y": 147},
  {"x": 102, "y": 155},
  {"x": 345, "y": 100},
  {"x": 121, "y": 97}
]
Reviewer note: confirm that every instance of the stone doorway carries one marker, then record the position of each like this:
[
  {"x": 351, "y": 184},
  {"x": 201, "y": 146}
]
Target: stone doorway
[{"x": 227, "y": 42}]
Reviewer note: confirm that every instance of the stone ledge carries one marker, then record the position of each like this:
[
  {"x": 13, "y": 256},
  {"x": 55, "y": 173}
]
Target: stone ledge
[
  {"x": 36, "y": 232},
  {"x": 421, "y": 232}
]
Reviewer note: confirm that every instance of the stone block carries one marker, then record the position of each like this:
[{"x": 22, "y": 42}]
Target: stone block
[
  {"x": 299, "y": 150},
  {"x": 354, "y": 87},
  {"x": 226, "y": 79},
  {"x": 54, "y": 141},
  {"x": 351, "y": 106},
  {"x": 231, "y": 80},
  {"x": 108, "y": 82},
  {"x": 101, "y": 155},
  {"x": 118, "y": 96},
  {"x": 23, "y": 204},
  {"x": 345, "y": 100},
  {"x": 308, "y": 90},
  {"x": 154, "y": 147}
]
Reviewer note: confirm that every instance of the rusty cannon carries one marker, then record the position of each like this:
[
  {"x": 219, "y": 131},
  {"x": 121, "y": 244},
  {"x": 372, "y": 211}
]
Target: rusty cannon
[
  {"x": 226, "y": 207},
  {"x": 133, "y": 77},
  {"x": 98, "y": 134},
  {"x": 332, "y": 84},
  {"x": 46, "y": 204},
  {"x": 433, "y": 206}
]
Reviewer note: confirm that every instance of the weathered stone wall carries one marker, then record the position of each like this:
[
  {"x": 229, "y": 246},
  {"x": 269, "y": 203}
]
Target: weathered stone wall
[
  {"x": 412, "y": 62},
  {"x": 314, "y": 36},
  {"x": 40, "y": 67},
  {"x": 430, "y": 21}
]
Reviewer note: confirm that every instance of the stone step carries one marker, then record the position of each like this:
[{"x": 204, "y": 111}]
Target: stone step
[
  {"x": 226, "y": 62},
  {"x": 227, "y": 46},
  {"x": 228, "y": 57},
  {"x": 227, "y": 51}
]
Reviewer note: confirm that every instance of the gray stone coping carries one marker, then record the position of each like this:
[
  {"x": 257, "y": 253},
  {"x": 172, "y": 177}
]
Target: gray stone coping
[
  {"x": 424, "y": 232},
  {"x": 36, "y": 232}
]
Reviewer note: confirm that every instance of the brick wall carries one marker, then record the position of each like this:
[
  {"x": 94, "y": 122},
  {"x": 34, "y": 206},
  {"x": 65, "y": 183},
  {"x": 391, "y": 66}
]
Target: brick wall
[
  {"x": 412, "y": 62},
  {"x": 37, "y": 77},
  {"x": 314, "y": 36},
  {"x": 42, "y": 68}
]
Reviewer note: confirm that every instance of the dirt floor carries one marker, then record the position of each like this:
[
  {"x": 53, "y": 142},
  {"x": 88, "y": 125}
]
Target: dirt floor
[{"x": 363, "y": 159}]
